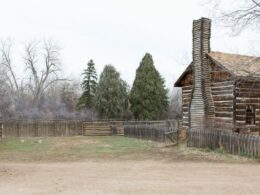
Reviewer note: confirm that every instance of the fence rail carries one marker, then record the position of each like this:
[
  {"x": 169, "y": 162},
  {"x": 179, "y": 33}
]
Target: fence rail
[
  {"x": 39, "y": 128},
  {"x": 233, "y": 143}
]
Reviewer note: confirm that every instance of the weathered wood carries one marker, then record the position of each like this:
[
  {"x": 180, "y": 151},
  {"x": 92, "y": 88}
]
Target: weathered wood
[
  {"x": 40, "y": 128},
  {"x": 201, "y": 102},
  {"x": 248, "y": 94},
  {"x": 222, "y": 87},
  {"x": 223, "y": 92},
  {"x": 224, "y": 83},
  {"x": 228, "y": 103},
  {"x": 223, "y": 98},
  {"x": 220, "y": 76},
  {"x": 103, "y": 128},
  {"x": 231, "y": 142},
  {"x": 224, "y": 114},
  {"x": 167, "y": 134},
  {"x": 187, "y": 87},
  {"x": 224, "y": 109}
]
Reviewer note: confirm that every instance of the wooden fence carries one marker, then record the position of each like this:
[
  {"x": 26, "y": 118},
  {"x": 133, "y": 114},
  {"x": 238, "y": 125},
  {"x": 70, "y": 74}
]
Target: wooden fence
[
  {"x": 233, "y": 143},
  {"x": 103, "y": 128},
  {"x": 39, "y": 128},
  {"x": 160, "y": 131}
]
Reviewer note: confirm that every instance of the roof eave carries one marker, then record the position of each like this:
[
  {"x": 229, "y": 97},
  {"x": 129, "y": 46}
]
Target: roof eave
[{"x": 177, "y": 83}]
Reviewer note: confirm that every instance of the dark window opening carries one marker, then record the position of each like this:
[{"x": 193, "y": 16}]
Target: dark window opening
[{"x": 250, "y": 115}]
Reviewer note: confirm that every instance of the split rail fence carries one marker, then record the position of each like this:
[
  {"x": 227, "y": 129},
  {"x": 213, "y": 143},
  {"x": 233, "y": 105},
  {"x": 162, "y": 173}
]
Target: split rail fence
[{"x": 233, "y": 143}]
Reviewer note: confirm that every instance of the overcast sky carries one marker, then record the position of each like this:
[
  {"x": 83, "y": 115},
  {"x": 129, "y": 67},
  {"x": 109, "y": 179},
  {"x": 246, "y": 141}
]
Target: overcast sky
[{"x": 117, "y": 32}]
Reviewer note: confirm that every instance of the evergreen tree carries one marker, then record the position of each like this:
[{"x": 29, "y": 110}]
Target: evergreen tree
[
  {"x": 111, "y": 95},
  {"x": 89, "y": 86},
  {"x": 148, "y": 96}
]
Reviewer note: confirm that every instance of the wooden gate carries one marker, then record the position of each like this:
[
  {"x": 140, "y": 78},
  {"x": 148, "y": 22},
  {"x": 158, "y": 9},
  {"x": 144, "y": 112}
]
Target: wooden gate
[{"x": 171, "y": 138}]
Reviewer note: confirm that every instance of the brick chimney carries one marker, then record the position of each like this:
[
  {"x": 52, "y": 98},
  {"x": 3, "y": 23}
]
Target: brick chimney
[{"x": 201, "y": 106}]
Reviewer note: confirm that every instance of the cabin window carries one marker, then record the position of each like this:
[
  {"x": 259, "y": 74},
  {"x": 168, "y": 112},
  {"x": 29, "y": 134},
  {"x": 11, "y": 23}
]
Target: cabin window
[{"x": 250, "y": 115}]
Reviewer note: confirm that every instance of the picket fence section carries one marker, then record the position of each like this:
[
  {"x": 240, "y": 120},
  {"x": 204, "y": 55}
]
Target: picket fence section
[
  {"x": 231, "y": 142},
  {"x": 159, "y": 131},
  {"x": 40, "y": 128}
]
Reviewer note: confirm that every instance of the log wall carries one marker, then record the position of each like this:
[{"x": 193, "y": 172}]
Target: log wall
[
  {"x": 247, "y": 94},
  {"x": 223, "y": 96}
]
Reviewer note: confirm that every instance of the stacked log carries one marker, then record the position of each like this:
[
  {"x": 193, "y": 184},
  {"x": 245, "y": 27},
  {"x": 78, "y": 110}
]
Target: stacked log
[
  {"x": 186, "y": 99},
  {"x": 201, "y": 107},
  {"x": 104, "y": 128},
  {"x": 223, "y": 96}
]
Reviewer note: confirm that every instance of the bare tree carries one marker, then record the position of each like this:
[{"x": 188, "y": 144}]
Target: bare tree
[
  {"x": 237, "y": 14},
  {"x": 43, "y": 70},
  {"x": 7, "y": 70},
  {"x": 175, "y": 106}
]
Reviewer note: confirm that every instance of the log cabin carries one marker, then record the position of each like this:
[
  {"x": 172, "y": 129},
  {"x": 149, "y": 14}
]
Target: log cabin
[{"x": 219, "y": 90}]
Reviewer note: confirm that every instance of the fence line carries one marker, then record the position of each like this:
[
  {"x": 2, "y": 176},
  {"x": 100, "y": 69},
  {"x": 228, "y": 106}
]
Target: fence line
[
  {"x": 231, "y": 142},
  {"x": 162, "y": 131},
  {"x": 40, "y": 128}
]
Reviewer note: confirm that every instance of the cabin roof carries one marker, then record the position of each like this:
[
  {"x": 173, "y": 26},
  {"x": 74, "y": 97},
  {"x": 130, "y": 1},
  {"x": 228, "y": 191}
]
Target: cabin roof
[{"x": 237, "y": 65}]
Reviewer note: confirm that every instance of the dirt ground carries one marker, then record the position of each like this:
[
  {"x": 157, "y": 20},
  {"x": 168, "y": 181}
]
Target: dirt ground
[
  {"x": 119, "y": 165},
  {"x": 129, "y": 177}
]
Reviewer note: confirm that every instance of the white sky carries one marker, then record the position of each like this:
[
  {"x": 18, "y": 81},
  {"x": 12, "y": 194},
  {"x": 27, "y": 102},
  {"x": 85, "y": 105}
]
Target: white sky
[{"x": 117, "y": 32}]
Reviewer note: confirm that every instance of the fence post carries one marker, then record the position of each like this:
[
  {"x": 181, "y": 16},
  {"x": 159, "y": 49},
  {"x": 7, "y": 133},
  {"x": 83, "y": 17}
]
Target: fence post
[
  {"x": 66, "y": 125},
  {"x": 1, "y": 130},
  {"x": 82, "y": 128}
]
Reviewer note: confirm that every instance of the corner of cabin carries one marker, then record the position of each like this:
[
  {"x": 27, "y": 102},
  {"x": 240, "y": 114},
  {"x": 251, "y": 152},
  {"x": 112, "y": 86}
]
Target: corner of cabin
[
  {"x": 185, "y": 78},
  {"x": 185, "y": 82}
]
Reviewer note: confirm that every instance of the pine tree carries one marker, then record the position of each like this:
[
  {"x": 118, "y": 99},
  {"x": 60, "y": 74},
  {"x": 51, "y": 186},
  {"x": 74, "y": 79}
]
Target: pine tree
[
  {"x": 111, "y": 95},
  {"x": 89, "y": 86},
  {"x": 148, "y": 96}
]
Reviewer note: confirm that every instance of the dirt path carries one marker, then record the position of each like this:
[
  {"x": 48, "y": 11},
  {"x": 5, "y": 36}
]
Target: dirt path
[{"x": 129, "y": 177}]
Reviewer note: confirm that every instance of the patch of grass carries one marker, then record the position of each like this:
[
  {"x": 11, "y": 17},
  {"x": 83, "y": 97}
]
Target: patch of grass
[
  {"x": 25, "y": 145},
  {"x": 114, "y": 145}
]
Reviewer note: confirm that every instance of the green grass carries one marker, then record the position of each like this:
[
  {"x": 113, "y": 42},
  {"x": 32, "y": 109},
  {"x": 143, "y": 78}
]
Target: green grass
[
  {"x": 69, "y": 148},
  {"x": 113, "y": 145}
]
